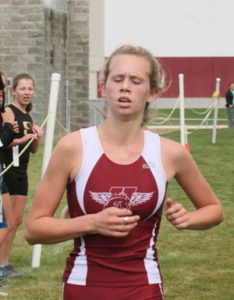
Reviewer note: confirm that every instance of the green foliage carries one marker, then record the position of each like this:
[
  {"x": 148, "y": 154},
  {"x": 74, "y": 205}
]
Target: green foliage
[{"x": 196, "y": 265}]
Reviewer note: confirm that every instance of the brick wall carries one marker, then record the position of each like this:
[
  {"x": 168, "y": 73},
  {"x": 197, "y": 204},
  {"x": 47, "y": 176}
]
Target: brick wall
[
  {"x": 43, "y": 37},
  {"x": 78, "y": 62}
]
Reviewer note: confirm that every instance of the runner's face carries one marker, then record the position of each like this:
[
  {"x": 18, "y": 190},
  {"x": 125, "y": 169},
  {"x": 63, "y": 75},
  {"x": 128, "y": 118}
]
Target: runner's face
[{"x": 128, "y": 85}]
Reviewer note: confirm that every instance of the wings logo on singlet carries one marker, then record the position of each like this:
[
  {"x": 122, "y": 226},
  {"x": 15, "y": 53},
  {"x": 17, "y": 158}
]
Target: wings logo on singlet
[{"x": 121, "y": 197}]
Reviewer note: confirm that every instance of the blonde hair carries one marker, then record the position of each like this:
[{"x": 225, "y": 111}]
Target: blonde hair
[{"x": 156, "y": 76}]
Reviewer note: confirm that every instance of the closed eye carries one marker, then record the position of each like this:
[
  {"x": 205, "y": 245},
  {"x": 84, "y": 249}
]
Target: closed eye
[
  {"x": 133, "y": 79},
  {"x": 136, "y": 80},
  {"x": 118, "y": 78}
]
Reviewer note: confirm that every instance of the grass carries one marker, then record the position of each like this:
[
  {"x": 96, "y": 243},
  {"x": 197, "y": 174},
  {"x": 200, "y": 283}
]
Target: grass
[
  {"x": 192, "y": 116},
  {"x": 196, "y": 265}
]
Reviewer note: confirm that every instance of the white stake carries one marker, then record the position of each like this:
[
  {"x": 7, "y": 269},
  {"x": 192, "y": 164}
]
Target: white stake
[
  {"x": 181, "y": 96},
  {"x": 48, "y": 146}
]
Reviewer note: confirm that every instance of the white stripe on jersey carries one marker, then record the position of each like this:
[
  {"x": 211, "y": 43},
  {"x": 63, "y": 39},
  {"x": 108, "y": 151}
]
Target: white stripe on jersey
[{"x": 79, "y": 275}]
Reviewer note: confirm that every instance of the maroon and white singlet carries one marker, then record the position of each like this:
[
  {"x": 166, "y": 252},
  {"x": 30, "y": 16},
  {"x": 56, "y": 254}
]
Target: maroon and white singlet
[{"x": 98, "y": 260}]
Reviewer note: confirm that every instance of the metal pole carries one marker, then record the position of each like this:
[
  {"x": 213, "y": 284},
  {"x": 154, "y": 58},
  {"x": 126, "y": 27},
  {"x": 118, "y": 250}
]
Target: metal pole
[
  {"x": 68, "y": 108},
  {"x": 217, "y": 96}
]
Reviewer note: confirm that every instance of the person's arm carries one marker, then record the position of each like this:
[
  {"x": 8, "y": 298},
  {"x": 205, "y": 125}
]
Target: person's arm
[
  {"x": 8, "y": 128},
  {"x": 208, "y": 211},
  {"x": 24, "y": 139},
  {"x": 6, "y": 134},
  {"x": 38, "y": 132},
  {"x": 43, "y": 227}
]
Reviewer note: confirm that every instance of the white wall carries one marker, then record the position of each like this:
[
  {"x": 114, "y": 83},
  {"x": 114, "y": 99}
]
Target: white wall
[
  {"x": 96, "y": 43},
  {"x": 171, "y": 27}
]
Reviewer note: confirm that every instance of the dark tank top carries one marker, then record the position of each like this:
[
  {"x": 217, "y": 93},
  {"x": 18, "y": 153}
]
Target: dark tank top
[{"x": 25, "y": 123}]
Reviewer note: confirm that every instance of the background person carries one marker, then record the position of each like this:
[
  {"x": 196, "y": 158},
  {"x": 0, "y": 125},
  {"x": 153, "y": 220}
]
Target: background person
[
  {"x": 116, "y": 175},
  {"x": 230, "y": 104},
  {"x": 8, "y": 127},
  {"x": 16, "y": 177}
]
